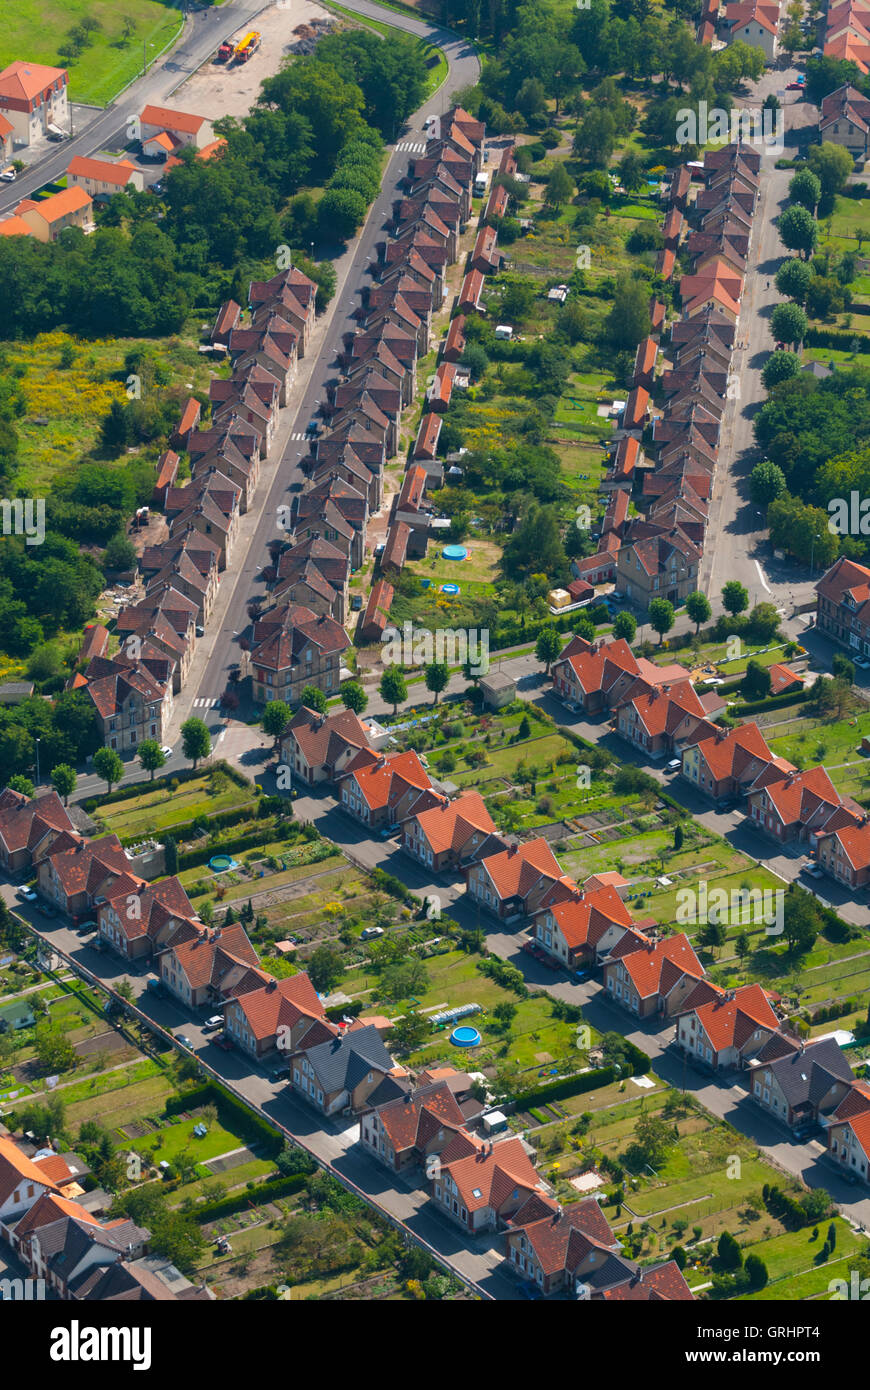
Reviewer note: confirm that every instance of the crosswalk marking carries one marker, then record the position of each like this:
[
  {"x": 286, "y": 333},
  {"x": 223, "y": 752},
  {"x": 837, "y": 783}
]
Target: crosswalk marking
[
  {"x": 411, "y": 147},
  {"x": 204, "y": 703},
  {"x": 299, "y": 436}
]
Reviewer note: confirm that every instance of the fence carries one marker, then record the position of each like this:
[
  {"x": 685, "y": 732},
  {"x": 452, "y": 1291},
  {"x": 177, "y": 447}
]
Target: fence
[{"x": 410, "y": 1237}]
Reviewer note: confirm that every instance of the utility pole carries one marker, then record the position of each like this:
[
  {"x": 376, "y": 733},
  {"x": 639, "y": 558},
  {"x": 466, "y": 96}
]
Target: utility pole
[{"x": 37, "y": 761}]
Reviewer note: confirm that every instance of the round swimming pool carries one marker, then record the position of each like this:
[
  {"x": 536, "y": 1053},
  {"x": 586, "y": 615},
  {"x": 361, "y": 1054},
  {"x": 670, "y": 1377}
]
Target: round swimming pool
[
  {"x": 219, "y": 863},
  {"x": 450, "y": 588},
  {"x": 454, "y": 552},
  {"x": 465, "y": 1037}
]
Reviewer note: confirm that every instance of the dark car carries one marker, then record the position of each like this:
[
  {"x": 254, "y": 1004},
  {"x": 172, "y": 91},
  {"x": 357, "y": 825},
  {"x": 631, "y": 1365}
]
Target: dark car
[
  {"x": 223, "y": 1043},
  {"x": 312, "y": 429},
  {"x": 235, "y": 674}
]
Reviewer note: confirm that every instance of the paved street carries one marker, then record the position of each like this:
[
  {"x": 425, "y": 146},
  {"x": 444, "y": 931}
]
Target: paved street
[{"x": 737, "y": 544}]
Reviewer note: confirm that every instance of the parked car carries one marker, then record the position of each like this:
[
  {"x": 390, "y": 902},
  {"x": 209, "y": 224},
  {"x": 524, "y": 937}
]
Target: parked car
[
  {"x": 27, "y": 895},
  {"x": 571, "y": 707},
  {"x": 861, "y": 662},
  {"x": 47, "y": 910},
  {"x": 579, "y": 976},
  {"x": 87, "y": 928},
  {"x": 793, "y": 86},
  {"x": 812, "y": 870},
  {"x": 8, "y": 175},
  {"x": 184, "y": 1040},
  {"x": 674, "y": 765},
  {"x": 223, "y": 1042},
  {"x": 155, "y": 986},
  {"x": 216, "y": 1021},
  {"x": 166, "y": 751}
]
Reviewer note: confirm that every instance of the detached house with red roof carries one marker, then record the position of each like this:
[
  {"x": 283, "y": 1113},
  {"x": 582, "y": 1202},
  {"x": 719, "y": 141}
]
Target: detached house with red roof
[
  {"x": 140, "y": 923},
  {"x": 405, "y": 1131},
  {"x": 383, "y": 790},
  {"x": 33, "y": 99},
  {"x": 583, "y": 927},
  {"x": 318, "y": 747},
  {"x": 801, "y": 806},
  {"x": 595, "y": 676},
  {"x": 22, "y": 1183},
  {"x": 179, "y": 128},
  {"x": 448, "y": 834},
  {"x": 843, "y": 606},
  {"x": 216, "y": 965},
  {"x": 753, "y": 23},
  {"x": 848, "y": 1131},
  {"x": 29, "y": 826},
  {"x": 655, "y": 979},
  {"x": 844, "y": 850},
  {"x": 515, "y": 882},
  {"x": 481, "y": 1185},
  {"x": 730, "y": 761},
  {"x": 281, "y": 1016},
  {"x": 725, "y": 1028},
  {"x": 657, "y": 720},
  {"x": 77, "y": 876}
]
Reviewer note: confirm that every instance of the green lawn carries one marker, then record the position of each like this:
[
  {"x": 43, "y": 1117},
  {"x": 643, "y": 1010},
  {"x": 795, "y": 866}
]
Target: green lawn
[
  {"x": 35, "y": 29},
  {"x": 161, "y": 808}
]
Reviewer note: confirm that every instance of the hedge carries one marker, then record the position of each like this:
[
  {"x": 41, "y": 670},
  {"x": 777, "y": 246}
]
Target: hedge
[
  {"x": 830, "y": 338},
  {"x": 565, "y": 1086},
  {"x": 771, "y": 702},
  {"x": 264, "y": 1192},
  {"x": 388, "y": 883},
  {"x": 250, "y": 840},
  {"x": 232, "y": 1114}
]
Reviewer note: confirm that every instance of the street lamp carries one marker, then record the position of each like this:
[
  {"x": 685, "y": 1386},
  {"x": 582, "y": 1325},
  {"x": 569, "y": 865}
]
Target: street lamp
[
  {"x": 37, "y": 760},
  {"x": 816, "y": 537},
  {"x": 145, "y": 47}
]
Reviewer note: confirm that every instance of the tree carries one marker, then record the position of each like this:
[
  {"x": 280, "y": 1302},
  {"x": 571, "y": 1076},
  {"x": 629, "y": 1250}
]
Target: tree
[
  {"x": 312, "y": 697},
  {"x": 741, "y": 945},
  {"x": 756, "y": 683},
  {"x": 798, "y": 231},
  {"x": 698, "y": 608},
  {"x": 108, "y": 765},
  {"x": 275, "y": 718},
  {"x": 728, "y": 1252},
  {"x": 767, "y": 480},
  {"x": 151, "y": 756},
  {"x": 632, "y": 171},
  {"x": 560, "y": 187},
  {"x": 63, "y": 779},
  {"x": 712, "y": 934},
  {"x": 735, "y": 599},
  {"x": 411, "y": 1030},
  {"x": 505, "y": 1012},
  {"x": 654, "y": 1137},
  {"x": 780, "y": 366},
  {"x": 22, "y": 784},
  {"x": 353, "y": 697},
  {"x": 628, "y": 321},
  {"x": 54, "y": 1051},
  {"x": 756, "y": 1271},
  {"x": 660, "y": 616},
  {"x": 548, "y": 646},
  {"x": 325, "y": 968},
  {"x": 832, "y": 165},
  {"x": 678, "y": 838},
  {"x": 437, "y": 675},
  {"x": 843, "y": 667},
  {"x": 595, "y": 138},
  {"x": 805, "y": 189},
  {"x": 195, "y": 740},
  {"x": 800, "y": 920},
  {"x": 393, "y": 688},
  {"x": 793, "y": 279},
  {"x": 535, "y": 546},
  {"x": 789, "y": 324},
  {"x": 340, "y": 212},
  {"x": 625, "y": 626}
]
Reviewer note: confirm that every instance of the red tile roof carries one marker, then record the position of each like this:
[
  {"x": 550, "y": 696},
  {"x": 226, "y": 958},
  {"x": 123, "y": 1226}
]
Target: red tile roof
[{"x": 451, "y": 825}]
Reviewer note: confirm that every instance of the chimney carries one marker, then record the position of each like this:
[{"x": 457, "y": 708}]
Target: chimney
[{"x": 271, "y": 986}]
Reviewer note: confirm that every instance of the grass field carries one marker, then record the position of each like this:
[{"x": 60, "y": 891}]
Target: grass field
[
  {"x": 162, "y": 808},
  {"x": 72, "y": 402},
  {"x": 36, "y": 29}
]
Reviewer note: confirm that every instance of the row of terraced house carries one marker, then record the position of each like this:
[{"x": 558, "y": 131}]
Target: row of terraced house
[{"x": 665, "y": 454}]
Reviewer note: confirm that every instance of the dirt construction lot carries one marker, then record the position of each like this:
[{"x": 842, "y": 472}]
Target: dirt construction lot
[{"x": 217, "y": 90}]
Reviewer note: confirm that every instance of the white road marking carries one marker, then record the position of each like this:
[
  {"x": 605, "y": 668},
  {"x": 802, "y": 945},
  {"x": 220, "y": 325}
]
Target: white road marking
[{"x": 764, "y": 582}]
